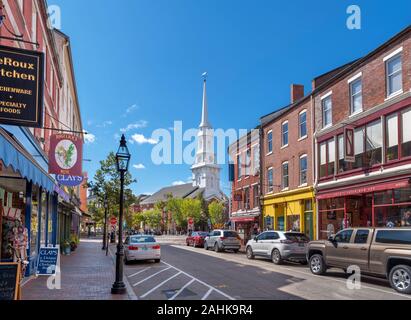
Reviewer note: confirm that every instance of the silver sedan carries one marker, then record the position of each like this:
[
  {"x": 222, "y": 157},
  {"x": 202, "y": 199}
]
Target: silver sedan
[{"x": 141, "y": 247}]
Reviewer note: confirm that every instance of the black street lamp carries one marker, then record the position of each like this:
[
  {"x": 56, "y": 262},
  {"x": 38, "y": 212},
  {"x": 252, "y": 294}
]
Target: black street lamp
[
  {"x": 105, "y": 244},
  {"x": 122, "y": 159}
]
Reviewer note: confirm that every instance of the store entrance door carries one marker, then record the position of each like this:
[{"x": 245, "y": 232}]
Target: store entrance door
[
  {"x": 280, "y": 223},
  {"x": 309, "y": 225}
]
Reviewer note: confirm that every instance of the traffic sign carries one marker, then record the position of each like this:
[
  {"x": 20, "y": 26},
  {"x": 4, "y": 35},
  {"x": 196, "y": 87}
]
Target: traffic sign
[{"x": 113, "y": 221}]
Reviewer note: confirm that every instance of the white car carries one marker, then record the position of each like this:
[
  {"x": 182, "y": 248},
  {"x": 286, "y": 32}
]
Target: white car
[{"x": 141, "y": 247}]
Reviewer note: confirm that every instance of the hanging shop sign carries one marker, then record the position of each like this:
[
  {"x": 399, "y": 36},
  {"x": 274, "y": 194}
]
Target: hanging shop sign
[
  {"x": 21, "y": 87},
  {"x": 349, "y": 155},
  {"x": 68, "y": 180},
  {"x": 47, "y": 261},
  {"x": 9, "y": 281},
  {"x": 65, "y": 155}
]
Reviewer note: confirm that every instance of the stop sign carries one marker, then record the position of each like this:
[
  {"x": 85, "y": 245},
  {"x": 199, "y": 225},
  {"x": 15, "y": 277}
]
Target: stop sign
[
  {"x": 190, "y": 221},
  {"x": 113, "y": 221}
]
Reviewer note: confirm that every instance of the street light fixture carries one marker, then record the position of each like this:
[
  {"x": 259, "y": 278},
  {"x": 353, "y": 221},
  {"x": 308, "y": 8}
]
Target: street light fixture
[{"x": 122, "y": 160}]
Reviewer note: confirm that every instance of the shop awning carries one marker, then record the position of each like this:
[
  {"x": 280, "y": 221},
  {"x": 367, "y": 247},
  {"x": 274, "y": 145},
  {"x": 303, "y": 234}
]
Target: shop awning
[
  {"x": 14, "y": 158},
  {"x": 243, "y": 219},
  {"x": 362, "y": 189}
]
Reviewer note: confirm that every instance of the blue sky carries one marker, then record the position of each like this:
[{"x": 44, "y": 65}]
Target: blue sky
[{"x": 147, "y": 57}]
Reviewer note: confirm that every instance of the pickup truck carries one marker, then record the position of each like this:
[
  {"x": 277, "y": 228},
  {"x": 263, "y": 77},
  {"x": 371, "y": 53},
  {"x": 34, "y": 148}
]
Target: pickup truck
[{"x": 380, "y": 252}]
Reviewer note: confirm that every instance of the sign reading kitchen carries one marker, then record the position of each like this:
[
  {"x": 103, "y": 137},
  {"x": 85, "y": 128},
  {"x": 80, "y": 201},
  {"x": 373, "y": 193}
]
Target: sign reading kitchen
[
  {"x": 66, "y": 155},
  {"x": 21, "y": 87}
]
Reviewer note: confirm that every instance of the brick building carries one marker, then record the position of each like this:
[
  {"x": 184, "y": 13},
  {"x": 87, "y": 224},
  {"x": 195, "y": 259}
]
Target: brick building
[
  {"x": 363, "y": 140},
  {"x": 245, "y": 194},
  {"x": 287, "y": 166}
]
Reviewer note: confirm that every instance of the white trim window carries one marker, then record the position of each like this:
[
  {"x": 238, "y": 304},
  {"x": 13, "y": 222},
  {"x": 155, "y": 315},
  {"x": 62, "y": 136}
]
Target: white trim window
[
  {"x": 394, "y": 75},
  {"x": 356, "y": 96},
  {"x": 270, "y": 180},
  {"x": 256, "y": 159},
  {"x": 303, "y": 169},
  {"x": 248, "y": 162},
  {"x": 326, "y": 104},
  {"x": 284, "y": 134},
  {"x": 270, "y": 141},
  {"x": 239, "y": 173},
  {"x": 302, "y": 124},
  {"x": 285, "y": 176}
]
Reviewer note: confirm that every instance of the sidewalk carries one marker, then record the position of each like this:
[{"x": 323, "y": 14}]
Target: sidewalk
[{"x": 87, "y": 274}]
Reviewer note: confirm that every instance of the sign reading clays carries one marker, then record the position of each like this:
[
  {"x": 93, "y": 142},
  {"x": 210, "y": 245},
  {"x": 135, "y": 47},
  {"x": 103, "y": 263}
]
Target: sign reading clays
[
  {"x": 9, "y": 281},
  {"x": 68, "y": 180},
  {"x": 47, "y": 261},
  {"x": 21, "y": 87},
  {"x": 65, "y": 155}
]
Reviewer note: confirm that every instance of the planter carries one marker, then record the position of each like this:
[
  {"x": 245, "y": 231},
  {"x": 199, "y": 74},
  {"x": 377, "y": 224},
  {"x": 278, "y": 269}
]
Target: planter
[{"x": 67, "y": 250}]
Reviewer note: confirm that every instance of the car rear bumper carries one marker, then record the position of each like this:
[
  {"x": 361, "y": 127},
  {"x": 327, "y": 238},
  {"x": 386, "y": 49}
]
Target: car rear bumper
[
  {"x": 231, "y": 247},
  {"x": 144, "y": 256},
  {"x": 290, "y": 255}
]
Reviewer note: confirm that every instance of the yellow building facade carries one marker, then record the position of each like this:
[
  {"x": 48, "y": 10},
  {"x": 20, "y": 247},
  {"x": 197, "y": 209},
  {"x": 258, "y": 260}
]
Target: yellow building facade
[{"x": 291, "y": 210}]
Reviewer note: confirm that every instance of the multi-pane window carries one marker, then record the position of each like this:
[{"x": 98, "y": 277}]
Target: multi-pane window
[
  {"x": 373, "y": 143},
  {"x": 247, "y": 198},
  {"x": 359, "y": 136},
  {"x": 392, "y": 137},
  {"x": 327, "y": 158},
  {"x": 247, "y": 162},
  {"x": 270, "y": 141},
  {"x": 394, "y": 75},
  {"x": 256, "y": 195},
  {"x": 270, "y": 182},
  {"x": 356, "y": 96},
  {"x": 285, "y": 179},
  {"x": 303, "y": 169},
  {"x": 284, "y": 130},
  {"x": 256, "y": 159},
  {"x": 327, "y": 111},
  {"x": 303, "y": 124},
  {"x": 239, "y": 173}
]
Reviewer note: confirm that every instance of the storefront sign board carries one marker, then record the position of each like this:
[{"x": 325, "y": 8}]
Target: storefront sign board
[
  {"x": 47, "y": 261},
  {"x": 9, "y": 281},
  {"x": 66, "y": 155}
]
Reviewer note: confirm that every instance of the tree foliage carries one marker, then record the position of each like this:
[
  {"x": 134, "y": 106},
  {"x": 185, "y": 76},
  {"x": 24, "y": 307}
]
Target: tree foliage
[{"x": 216, "y": 212}]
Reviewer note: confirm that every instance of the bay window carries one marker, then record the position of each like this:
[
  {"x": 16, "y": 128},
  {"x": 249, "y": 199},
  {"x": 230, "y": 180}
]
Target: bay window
[
  {"x": 373, "y": 143},
  {"x": 392, "y": 137},
  {"x": 359, "y": 136},
  {"x": 406, "y": 133},
  {"x": 327, "y": 158}
]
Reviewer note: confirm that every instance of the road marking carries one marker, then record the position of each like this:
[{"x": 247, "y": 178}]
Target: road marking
[
  {"x": 153, "y": 275},
  {"x": 207, "y": 294},
  {"x": 182, "y": 289},
  {"x": 260, "y": 263},
  {"x": 158, "y": 286},
  {"x": 198, "y": 280},
  {"x": 141, "y": 271}
]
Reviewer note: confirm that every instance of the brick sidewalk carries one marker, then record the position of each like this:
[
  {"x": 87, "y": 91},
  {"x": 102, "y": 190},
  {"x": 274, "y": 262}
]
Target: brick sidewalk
[{"x": 87, "y": 274}]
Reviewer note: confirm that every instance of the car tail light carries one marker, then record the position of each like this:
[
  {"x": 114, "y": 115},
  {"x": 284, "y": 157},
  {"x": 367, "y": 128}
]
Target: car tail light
[
  {"x": 222, "y": 238},
  {"x": 287, "y": 241},
  {"x": 156, "y": 247},
  {"x": 132, "y": 248}
]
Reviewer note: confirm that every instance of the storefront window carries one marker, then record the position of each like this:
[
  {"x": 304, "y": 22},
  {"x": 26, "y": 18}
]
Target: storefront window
[
  {"x": 384, "y": 197},
  {"x": 332, "y": 204},
  {"x": 50, "y": 221},
  {"x": 34, "y": 221},
  {"x": 392, "y": 137},
  {"x": 293, "y": 223},
  {"x": 395, "y": 216},
  {"x": 402, "y": 195},
  {"x": 406, "y": 134}
]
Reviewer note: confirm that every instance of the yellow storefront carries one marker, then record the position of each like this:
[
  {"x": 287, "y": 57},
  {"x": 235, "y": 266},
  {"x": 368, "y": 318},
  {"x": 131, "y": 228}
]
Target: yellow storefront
[{"x": 291, "y": 210}]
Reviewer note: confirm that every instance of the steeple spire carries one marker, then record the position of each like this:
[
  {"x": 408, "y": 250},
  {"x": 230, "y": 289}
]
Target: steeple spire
[{"x": 204, "y": 116}]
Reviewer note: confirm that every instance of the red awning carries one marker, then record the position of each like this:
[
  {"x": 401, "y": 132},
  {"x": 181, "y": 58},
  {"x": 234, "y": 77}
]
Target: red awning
[
  {"x": 362, "y": 188},
  {"x": 243, "y": 219}
]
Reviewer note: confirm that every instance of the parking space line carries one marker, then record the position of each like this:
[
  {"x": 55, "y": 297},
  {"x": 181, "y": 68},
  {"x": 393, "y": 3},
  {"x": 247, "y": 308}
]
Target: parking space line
[
  {"x": 141, "y": 271},
  {"x": 198, "y": 280},
  {"x": 207, "y": 294},
  {"x": 182, "y": 289},
  {"x": 158, "y": 286},
  {"x": 153, "y": 275}
]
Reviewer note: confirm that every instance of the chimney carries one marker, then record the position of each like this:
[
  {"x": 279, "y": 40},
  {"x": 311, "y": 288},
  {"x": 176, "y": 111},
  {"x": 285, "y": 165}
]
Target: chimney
[{"x": 297, "y": 92}]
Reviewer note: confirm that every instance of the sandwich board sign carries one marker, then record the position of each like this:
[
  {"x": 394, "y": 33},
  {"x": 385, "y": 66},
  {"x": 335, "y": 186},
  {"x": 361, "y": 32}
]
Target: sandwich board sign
[
  {"x": 47, "y": 261},
  {"x": 9, "y": 281}
]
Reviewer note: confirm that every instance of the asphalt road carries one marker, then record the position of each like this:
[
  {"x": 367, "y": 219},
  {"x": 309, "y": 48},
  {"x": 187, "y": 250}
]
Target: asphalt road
[{"x": 187, "y": 273}]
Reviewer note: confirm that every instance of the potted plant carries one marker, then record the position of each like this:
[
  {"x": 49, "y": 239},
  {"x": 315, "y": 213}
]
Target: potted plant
[
  {"x": 73, "y": 242},
  {"x": 66, "y": 248}
]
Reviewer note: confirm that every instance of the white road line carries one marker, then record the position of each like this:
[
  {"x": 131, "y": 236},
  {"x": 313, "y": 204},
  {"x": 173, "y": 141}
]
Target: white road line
[
  {"x": 207, "y": 294},
  {"x": 182, "y": 289},
  {"x": 153, "y": 275},
  {"x": 198, "y": 280},
  {"x": 141, "y": 271},
  {"x": 158, "y": 286},
  {"x": 261, "y": 263}
]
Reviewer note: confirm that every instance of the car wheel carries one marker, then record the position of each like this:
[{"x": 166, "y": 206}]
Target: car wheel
[
  {"x": 216, "y": 248},
  {"x": 249, "y": 253},
  {"x": 400, "y": 279},
  {"x": 157, "y": 260},
  {"x": 276, "y": 257},
  {"x": 317, "y": 264}
]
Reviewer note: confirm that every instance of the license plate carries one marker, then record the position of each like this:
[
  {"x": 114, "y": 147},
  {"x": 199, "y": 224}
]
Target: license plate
[
  {"x": 145, "y": 248},
  {"x": 301, "y": 244}
]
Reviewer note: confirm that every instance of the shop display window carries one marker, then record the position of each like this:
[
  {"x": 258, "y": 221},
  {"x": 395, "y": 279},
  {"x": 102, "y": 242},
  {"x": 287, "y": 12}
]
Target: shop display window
[
  {"x": 402, "y": 195},
  {"x": 34, "y": 228},
  {"x": 395, "y": 216},
  {"x": 43, "y": 218},
  {"x": 384, "y": 197},
  {"x": 293, "y": 223}
]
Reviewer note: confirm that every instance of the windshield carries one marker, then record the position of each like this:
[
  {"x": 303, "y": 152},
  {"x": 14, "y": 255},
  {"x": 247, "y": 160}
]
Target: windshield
[
  {"x": 230, "y": 234},
  {"x": 142, "y": 239},
  {"x": 297, "y": 237},
  {"x": 202, "y": 234}
]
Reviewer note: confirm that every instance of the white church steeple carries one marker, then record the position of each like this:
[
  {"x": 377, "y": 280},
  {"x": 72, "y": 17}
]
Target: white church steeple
[{"x": 206, "y": 173}]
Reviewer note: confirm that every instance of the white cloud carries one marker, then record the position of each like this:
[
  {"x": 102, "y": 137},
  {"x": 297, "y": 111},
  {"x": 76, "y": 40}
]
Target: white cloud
[
  {"x": 178, "y": 183},
  {"x": 89, "y": 138},
  {"x": 105, "y": 124},
  {"x": 139, "y": 166},
  {"x": 130, "y": 109},
  {"x": 139, "y": 124},
  {"x": 141, "y": 139}
]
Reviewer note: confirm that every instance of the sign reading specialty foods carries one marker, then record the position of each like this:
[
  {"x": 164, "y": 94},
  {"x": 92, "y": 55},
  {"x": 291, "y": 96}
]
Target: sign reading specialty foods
[
  {"x": 65, "y": 155},
  {"x": 21, "y": 87}
]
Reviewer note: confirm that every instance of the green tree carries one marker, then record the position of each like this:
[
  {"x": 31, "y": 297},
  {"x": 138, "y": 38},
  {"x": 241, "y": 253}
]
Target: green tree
[
  {"x": 191, "y": 208},
  {"x": 216, "y": 211}
]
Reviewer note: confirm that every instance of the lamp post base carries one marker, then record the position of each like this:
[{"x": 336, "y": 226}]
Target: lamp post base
[{"x": 118, "y": 288}]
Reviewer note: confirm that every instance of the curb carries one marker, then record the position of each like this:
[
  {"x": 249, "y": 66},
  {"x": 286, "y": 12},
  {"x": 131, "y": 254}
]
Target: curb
[{"x": 130, "y": 291}]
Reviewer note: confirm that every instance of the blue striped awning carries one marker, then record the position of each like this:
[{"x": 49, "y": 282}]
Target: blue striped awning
[{"x": 14, "y": 158}]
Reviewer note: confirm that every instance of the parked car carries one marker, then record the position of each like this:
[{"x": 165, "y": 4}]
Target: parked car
[
  {"x": 196, "y": 239},
  {"x": 279, "y": 246},
  {"x": 141, "y": 247},
  {"x": 221, "y": 240},
  {"x": 381, "y": 252}
]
